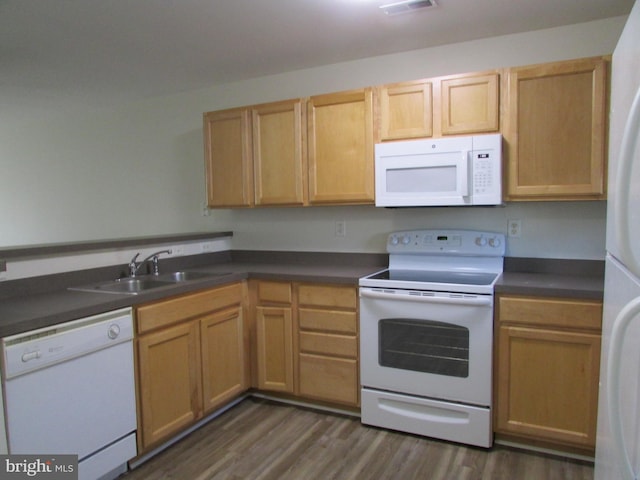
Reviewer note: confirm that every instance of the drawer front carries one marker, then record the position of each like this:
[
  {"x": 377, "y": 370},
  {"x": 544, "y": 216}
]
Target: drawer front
[
  {"x": 568, "y": 313},
  {"x": 331, "y": 379},
  {"x": 328, "y": 344},
  {"x": 166, "y": 312},
  {"x": 328, "y": 320},
  {"x": 275, "y": 292},
  {"x": 327, "y": 296}
]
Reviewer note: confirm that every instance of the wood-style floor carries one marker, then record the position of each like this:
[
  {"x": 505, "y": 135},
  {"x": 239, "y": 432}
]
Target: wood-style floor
[{"x": 260, "y": 439}]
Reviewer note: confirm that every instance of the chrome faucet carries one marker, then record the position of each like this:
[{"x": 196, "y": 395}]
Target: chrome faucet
[{"x": 133, "y": 267}]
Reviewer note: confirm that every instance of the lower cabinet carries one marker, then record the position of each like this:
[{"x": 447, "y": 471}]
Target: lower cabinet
[
  {"x": 328, "y": 367},
  {"x": 191, "y": 359},
  {"x": 547, "y": 369},
  {"x": 274, "y": 336},
  {"x": 307, "y": 340}
]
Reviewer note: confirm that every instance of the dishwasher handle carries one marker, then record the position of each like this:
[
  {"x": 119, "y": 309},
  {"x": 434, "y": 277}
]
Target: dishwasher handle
[{"x": 429, "y": 297}]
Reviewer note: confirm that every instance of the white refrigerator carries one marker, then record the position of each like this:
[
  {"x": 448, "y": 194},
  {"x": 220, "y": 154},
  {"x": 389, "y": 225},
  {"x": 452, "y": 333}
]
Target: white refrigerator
[{"x": 618, "y": 435}]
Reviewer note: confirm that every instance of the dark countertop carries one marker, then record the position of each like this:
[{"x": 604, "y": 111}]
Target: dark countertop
[
  {"x": 33, "y": 309},
  {"x": 551, "y": 285},
  {"x": 22, "y": 313}
]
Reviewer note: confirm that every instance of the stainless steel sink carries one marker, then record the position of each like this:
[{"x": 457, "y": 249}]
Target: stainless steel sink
[
  {"x": 185, "y": 276},
  {"x": 129, "y": 286},
  {"x": 136, "y": 285}
]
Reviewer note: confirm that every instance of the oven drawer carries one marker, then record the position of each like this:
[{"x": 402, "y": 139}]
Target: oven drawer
[{"x": 432, "y": 418}]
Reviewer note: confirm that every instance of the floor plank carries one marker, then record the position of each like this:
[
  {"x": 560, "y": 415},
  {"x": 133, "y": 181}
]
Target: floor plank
[{"x": 263, "y": 440}]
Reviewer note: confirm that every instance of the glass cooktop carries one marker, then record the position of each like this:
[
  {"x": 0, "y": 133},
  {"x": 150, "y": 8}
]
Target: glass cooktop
[{"x": 428, "y": 276}]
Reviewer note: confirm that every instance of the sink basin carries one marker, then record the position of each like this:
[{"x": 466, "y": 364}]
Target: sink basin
[
  {"x": 185, "y": 276},
  {"x": 129, "y": 286},
  {"x": 136, "y": 285}
]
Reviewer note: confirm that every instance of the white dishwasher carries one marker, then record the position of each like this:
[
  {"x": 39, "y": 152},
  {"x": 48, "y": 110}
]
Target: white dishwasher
[{"x": 69, "y": 389}]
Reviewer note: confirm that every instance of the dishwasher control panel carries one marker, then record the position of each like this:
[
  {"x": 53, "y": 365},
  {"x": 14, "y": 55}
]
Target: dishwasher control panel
[{"x": 40, "y": 348}]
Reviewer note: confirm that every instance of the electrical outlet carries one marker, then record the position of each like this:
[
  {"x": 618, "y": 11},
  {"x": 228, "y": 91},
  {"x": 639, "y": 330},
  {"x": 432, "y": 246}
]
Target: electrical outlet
[
  {"x": 204, "y": 209},
  {"x": 341, "y": 228},
  {"x": 514, "y": 229},
  {"x": 177, "y": 251}
]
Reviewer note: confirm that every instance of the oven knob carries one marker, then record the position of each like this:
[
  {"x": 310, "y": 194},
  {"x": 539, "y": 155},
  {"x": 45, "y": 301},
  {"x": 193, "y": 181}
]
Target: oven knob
[
  {"x": 494, "y": 242},
  {"x": 393, "y": 240},
  {"x": 406, "y": 239},
  {"x": 481, "y": 241}
]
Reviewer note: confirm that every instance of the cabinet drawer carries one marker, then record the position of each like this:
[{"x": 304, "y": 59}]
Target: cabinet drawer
[
  {"x": 570, "y": 313},
  {"x": 276, "y": 292},
  {"x": 166, "y": 312},
  {"x": 327, "y": 296},
  {"x": 331, "y": 379},
  {"x": 328, "y": 320},
  {"x": 329, "y": 344}
]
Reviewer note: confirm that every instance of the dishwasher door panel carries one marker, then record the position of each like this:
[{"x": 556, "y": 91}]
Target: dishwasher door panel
[{"x": 74, "y": 407}]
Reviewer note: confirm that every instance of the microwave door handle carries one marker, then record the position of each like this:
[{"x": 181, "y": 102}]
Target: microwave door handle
[{"x": 463, "y": 173}]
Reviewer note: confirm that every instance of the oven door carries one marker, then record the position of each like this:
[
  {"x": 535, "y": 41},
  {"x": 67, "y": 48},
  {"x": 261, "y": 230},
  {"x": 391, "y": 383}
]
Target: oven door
[{"x": 430, "y": 344}]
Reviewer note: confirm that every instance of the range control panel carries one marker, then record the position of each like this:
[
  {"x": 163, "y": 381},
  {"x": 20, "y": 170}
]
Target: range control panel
[{"x": 447, "y": 242}]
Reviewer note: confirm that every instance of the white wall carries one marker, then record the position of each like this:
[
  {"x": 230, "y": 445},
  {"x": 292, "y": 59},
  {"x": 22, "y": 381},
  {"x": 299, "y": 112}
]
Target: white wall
[{"x": 138, "y": 169}]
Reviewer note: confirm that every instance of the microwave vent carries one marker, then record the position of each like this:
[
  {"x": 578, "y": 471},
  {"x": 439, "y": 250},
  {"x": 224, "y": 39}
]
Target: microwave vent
[{"x": 406, "y": 6}]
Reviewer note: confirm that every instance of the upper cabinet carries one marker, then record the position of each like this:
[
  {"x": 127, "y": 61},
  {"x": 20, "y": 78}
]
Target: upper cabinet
[
  {"x": 436, "y": 107},
  {"x": 229, "y": 167},
  {"x": 265, "y": 155},
  {"x": 556, "y": 131},
  {"x": 406, "y": 110},
  {"x": 340, "y": 147},
  {"x": 254, "y": 155},
  {"x": 278, "y": 155},
  {"x": 470, "y": 104}
]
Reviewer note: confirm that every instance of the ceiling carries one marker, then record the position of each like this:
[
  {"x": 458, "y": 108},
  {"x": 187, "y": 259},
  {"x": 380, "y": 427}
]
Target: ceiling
[{"x": 91, "y": 53}]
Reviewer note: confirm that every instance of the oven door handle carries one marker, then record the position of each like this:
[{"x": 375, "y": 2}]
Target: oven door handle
[{"x": 484, "y": 300}]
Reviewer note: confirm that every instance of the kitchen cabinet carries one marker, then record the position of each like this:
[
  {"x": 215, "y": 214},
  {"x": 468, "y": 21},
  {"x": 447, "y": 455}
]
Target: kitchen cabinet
[
  {"x": 274, "y": 336},
  {"x": 547, "y": 368},
  {"x": 328, "y": 367},
  {"x": 340, "y": 146},
  {"x": 255, "y": 155},
  {"x": 436, "y": 107},
  {"x": 278, "y": 153},
  {"x": 228, "y": 160},
  {"x": 191, "y": 359},
  {"x": 556, "y": 130}
]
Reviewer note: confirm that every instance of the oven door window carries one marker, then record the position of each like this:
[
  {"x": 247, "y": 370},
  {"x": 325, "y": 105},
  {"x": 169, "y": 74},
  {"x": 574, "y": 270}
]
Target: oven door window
[{"x": 424, "y": 346}]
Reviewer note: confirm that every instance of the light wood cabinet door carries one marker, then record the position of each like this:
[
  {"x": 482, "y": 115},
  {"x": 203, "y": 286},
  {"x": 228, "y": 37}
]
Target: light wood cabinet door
[
  {"x": 548, "y": 384},
  {"x": 470, "y": 104},
  {"x": 279, "y": 162},
  {"x": 223, "y": 357},
  {"x": 274, "y": 337},
  {"x": 228, "y": 160},
  {"x": 557, "y": 131},
  {"x": 169, "y": 381},
  {"x": 547, "y": 370},
  {"x": 406, "y": 110},
  {"x": 340, "y": 148}
]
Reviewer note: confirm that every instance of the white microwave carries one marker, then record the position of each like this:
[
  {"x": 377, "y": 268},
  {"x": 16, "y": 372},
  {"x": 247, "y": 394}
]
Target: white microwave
[{"x": 439, "y": 172}]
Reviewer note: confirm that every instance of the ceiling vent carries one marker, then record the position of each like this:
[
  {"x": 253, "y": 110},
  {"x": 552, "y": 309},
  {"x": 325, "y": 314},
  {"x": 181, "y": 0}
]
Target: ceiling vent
[{"x": 407, "y": 6}]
